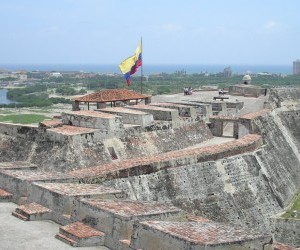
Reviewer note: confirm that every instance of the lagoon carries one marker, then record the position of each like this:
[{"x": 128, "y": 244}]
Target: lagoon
[{"x": 3, "y": 97}]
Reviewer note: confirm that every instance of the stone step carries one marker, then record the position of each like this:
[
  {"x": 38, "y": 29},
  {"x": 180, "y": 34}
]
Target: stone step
[
  {"x": 82, "y": 234},
  {"x": 66, "y": 240},
  {"x": 5, "y": 196},
  {"x": 34, "y": 211},
  {"x": 20, "y": 216}
]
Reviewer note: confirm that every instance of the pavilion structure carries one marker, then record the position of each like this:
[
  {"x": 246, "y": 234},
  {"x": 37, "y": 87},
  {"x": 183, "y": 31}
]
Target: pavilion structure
[{"x": 113, "y": 96}]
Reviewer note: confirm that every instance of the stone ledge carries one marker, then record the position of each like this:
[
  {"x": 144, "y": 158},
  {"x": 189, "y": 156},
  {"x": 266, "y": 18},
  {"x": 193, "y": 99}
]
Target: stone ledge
[
  {"x": 17, "y": 165},
  {"x": 5, "y": 196},
  {"x": 199, "y": 235},
  {"x": 146, "y": 165}
]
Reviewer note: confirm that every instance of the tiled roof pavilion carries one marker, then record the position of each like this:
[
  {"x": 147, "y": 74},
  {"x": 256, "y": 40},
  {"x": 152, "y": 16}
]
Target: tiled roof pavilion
[{"x": 112, "y": 96}]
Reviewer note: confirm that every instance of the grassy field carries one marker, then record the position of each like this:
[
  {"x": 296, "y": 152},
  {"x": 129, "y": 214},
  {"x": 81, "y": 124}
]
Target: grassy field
[
  {"x": 22, "y": 118},
  {"x": 294, "y": 207}
]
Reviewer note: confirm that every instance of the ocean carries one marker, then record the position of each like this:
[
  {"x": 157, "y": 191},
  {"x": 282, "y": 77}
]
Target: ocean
[{"x": 153, "y": 68}]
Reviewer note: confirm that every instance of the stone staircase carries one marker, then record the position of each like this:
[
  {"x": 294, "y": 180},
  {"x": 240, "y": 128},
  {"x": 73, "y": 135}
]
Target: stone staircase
[
  {"x": 32, "y": 211},
  {"x": 5, "y": 196},
  {"x": 78, "y": 234}
]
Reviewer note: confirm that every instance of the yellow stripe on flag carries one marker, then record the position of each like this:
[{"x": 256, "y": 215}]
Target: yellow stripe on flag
[{"x": 127, "y": 64}]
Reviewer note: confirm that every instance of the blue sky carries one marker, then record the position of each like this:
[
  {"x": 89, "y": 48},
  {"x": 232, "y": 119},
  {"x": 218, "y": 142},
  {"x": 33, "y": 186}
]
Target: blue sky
[{"x": 174, "y": 32}]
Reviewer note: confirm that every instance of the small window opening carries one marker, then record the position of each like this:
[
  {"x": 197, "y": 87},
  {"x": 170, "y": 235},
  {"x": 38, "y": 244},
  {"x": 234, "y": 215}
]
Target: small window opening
[{"x": 112, "y": 153}]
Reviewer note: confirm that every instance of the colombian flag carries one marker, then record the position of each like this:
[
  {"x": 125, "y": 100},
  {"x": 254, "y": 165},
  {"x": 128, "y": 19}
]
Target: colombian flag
[{"x": 130, "y": 65}]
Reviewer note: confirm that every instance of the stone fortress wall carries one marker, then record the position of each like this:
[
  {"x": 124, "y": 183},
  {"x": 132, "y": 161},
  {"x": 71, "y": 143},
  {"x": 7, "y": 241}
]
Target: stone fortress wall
[{"x": 146, "y": 171}]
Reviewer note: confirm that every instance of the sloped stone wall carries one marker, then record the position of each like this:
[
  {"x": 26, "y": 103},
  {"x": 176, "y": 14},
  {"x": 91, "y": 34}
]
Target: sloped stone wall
[
  {"x": 86, "y": 150},
  {"x": 244, "y": 190}
]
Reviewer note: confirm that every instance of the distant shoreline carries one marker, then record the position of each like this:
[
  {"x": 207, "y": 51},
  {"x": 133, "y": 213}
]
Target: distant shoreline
[{"x": 152, "y": 68}]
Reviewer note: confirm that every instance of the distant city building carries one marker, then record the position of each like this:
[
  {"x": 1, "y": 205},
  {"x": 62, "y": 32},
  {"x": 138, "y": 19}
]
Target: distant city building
[
  {"x": 55, "y": 74},
  {"x": 296, "y": 67},
  {"x": 227, "y": 72}
]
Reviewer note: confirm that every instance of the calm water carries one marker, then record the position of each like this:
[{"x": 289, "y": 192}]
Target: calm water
[
  {"x": 3, "y": 98},
  {"x": 153, "y": 68}
]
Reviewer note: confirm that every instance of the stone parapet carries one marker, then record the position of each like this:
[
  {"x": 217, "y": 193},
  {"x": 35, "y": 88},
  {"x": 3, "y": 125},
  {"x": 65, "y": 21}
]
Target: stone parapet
[
  {"x": 130, "y": 116},
  {"x": 155, "y": 163},
  {"x": 60, "y": 197},
  {"x": 163, "y": 114},
  {"x": 20, "y": 131},
  {"x": 246, "y": 90},
  {"x": 116, "y": 218},
  {"x": 191, "y": 235},
  {"x": 204, "y": 109},
  {"x": 286, "y": 230},
  {"x": 183, "y": 110},
  {"x": 18, "y": 182},
  {"x": 93, "y": 119}
]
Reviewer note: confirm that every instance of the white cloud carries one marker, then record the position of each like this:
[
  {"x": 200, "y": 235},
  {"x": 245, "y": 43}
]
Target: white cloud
[
  {"x": 272, "y": 26},
  {"x": 169, "y": 27}
]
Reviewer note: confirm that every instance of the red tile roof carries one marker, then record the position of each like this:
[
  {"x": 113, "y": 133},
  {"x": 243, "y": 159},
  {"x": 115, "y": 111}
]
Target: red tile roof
[
  {"x": 111, "y": 95},
  {"x": 51, "y": 123},
  {"x": 206, "y": 233}
]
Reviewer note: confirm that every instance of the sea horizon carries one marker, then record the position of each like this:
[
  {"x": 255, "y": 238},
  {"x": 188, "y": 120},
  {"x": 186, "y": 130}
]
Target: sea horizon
[{"x": 155, "y": 68}]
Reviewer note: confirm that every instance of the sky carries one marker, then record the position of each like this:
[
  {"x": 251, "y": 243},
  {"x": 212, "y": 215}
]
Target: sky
[{"x": 173, "y": 32}]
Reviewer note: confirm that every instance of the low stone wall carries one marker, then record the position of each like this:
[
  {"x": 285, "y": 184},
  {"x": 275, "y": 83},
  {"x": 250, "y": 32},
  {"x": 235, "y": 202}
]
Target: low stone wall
[
  {"x": 92, "y": 119},
  {"x": 66, "y": 134},
  {"x": 116, "y": 219},
  {"x": 18, "y": 182},
  {"x": 163, "y": 114},
  {"x": 130, "y": 116},
  {"x": 280, "y": 96},
  {"x": 246, "y": 90},
  {"x": 154, "y": 235},
  {"x": 204, "y": 109},
  {"x": 61, "y": 197},
  {"x": 20, "y": 131},
  {"x": 18, "y": 187},
  {"x": 235, "y": 105},
  {"x": 183, "y": 110},
  {"x": 247, "y": 123},
  {"x": 146, "y": 165},
  {"x": 286, "y": 230}
]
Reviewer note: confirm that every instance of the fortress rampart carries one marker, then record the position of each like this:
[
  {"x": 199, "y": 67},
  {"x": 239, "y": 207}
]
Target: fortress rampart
[{"x": 154, "y": 187}]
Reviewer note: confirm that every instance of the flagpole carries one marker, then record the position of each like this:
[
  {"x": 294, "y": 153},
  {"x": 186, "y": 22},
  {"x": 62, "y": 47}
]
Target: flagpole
[{"x": 142, "y": 66}]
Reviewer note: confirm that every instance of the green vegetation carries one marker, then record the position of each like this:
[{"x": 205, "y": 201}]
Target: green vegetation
[
  {"x": 67, "y": 90},
  {"x": 162, "y": 83},
  {"x": 294, "y": 207},
  {"x": 32, "y": 96},
  {"x": 22, "y": 118}
]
